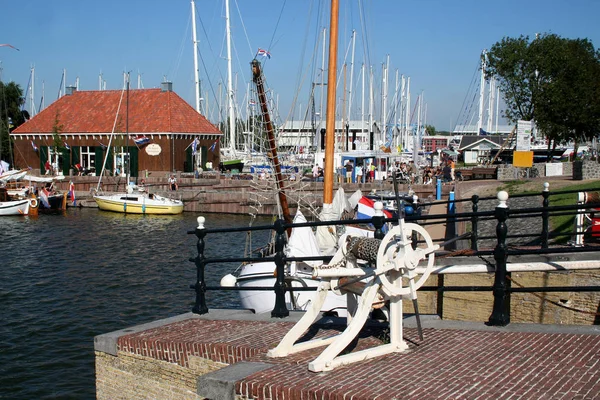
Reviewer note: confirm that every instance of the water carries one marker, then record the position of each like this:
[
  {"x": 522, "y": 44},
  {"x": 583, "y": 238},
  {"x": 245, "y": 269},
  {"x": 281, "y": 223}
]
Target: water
[{"x": 67, "y": 278}]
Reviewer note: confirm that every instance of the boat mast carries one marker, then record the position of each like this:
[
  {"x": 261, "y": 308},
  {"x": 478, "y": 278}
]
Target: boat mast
[
  {"x": 330, "y": 125},
  {"x": 229, "y": 82},
  {"x": 257, "y": 77},
  {"x": 481, "y": 91},
  {"x": 195, "y": 46}
]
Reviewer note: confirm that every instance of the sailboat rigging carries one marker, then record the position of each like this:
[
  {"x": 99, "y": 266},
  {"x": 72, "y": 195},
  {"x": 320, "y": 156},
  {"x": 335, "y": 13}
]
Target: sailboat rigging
[{"x": 131, "y": 202}]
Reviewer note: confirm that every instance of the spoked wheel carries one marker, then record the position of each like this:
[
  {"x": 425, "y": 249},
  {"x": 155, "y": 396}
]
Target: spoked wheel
[{"x": 401, "y": 268}]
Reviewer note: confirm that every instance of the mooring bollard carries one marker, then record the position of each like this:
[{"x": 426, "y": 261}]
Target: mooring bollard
[
  {"x": 501, "y": 309},
  {"x": 474, "y": 222},
  {"x": 377, "y": 219},
  {"x": 545, "y": 215},
  {"x": 438, "y": 189},
  {"x": 280, "y": 310},
  {"x": 200, "y": 286}
]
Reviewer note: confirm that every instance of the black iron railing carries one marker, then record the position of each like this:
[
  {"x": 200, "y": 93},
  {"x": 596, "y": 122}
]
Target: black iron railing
[{"x": 502, "y": 249}]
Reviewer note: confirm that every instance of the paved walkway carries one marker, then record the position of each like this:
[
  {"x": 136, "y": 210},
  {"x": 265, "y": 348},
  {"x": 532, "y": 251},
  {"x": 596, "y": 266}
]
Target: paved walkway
[{"x": 455, "y": 360}]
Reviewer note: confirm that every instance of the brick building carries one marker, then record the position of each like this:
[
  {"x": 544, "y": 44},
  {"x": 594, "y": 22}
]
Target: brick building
[{"x": 140, "y": 129}]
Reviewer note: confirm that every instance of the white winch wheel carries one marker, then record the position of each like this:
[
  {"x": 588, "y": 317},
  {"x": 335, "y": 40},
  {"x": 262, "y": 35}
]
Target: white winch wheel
[{"x": 396, "y": 259}]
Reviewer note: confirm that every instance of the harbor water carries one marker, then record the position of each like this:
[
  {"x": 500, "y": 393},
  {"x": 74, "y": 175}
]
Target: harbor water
[{"x": 67, "y": 278}]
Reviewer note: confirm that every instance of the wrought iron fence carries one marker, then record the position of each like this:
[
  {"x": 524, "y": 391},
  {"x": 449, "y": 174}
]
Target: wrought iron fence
[{"x": 501, "y": 288}]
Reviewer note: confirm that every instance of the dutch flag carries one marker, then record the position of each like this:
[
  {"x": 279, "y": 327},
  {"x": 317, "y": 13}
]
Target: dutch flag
[
  {"x": 366, "y": 209},
  {"x": 141, "y": 140},
  {"x": 264, "y": 53}
]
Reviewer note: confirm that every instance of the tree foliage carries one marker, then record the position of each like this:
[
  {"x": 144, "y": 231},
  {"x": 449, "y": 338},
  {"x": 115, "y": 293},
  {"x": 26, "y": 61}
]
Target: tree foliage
[
  {"x": 430, "y": 130},
  {"x": 551, "y": 80},
  {"x": 11, "y": 116}
]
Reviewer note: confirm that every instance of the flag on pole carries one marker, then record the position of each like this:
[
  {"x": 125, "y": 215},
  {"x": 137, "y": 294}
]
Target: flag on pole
[
  {"x": 214, "y": 146},
  {"x": 72, "y": 192},
  {"x": 366, "y": 209},
  {"x": 195, "y": 146},
  {"x": 66, "y": 146},
  {"x": 35, "y": 148},
  {"x": 141, "y": 140},
  {"x": 264, "y": 53}
]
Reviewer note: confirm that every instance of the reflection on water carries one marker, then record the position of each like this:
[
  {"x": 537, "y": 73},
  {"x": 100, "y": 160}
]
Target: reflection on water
[{"x": 68, "y": 278}]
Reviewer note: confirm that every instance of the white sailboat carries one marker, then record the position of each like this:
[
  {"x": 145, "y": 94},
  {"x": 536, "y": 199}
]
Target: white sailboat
[
  {"x": 135, "y": 200},
  {"x": 302, "y": 241}
]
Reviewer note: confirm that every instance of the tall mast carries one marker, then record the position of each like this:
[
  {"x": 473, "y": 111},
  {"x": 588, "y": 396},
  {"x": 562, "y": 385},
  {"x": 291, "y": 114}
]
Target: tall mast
[
  {"x": 362, "y": 101},
  {"x": 195, "y": 46},
  {"x": 262, "y": 99},
  {"x": 229, "y": 82},
  {"x": 351, "y": 76},
  {"x": 481, "y": 91},
  {"x": 491, "y": 99},
  {"x": 331, "y": 86},
  {"x": 31, "y": 95},
  {"x": 371, "y": 100}
]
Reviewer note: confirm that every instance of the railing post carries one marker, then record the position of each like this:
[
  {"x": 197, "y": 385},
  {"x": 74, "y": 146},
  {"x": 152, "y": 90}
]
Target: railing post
[
  {"x": 545, "y": 215},
  {"x": 451, "y": 232},
  {"x": 377, "y": 219},
  {"x": 501, "y": 309},
  {"x": 200, "y": 286},
  {"x": 474, "y": 222},
  {"x": 280, "y": 310}
]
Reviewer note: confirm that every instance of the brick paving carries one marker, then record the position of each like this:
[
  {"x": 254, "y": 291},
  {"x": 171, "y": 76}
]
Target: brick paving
[{"x": 449, "y": 364}]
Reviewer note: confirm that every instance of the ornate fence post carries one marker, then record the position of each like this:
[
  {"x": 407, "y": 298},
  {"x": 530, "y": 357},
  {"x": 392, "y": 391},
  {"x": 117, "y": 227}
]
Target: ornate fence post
[
  {"x": 545, "y": 215},
  {"x": 280, "y": 310},
  {"x": 474, "y": 222},
  {"x": 501, "y": 309},
  {"x": 200, "y": 286},
  {"x": 378, "y": 218}
]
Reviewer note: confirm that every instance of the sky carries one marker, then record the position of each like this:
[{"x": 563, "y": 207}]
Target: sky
[{"x": 437, "y": 43}]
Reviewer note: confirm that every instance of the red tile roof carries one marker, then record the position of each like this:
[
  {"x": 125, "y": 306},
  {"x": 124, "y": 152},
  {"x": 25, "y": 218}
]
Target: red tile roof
[{"x": 150, "y": 111}]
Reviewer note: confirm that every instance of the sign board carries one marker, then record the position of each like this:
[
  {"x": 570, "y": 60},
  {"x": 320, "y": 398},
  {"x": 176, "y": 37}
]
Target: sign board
[
  {"x": 524, "y": 129},
  {"x": 554, "y": 169},
  {"x": 523, "y": 159},
  {"x": 153, "y": 149}
]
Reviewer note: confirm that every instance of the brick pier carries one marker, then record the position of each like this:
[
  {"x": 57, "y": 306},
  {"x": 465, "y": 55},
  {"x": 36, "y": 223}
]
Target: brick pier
[{"x": 222, "y": 355}]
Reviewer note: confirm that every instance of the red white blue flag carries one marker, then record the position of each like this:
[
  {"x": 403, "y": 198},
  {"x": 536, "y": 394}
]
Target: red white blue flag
[
  {"x": 264, "y": 53},
  {"x": 35, "y": 148},
  {"x": 141, "y": 140},
  {"x": 366, "y": 209},
  {"x": 72, "y": 192}
]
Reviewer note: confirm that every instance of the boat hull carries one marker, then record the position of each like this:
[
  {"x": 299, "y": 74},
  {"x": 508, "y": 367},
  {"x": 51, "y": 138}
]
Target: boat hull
[
  {"x": 261, "y": 275},
  {"x": 16, "y": 207},
  {"x": 129, "y": 204}
]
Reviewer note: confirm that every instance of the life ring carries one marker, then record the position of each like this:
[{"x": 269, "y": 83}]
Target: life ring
[{"x": 33, "y": 202}]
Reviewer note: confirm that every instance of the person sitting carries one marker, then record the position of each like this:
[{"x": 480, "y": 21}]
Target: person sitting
[
  {"x": 447, "y": 173},
  {"x": 173, "y": 182}
]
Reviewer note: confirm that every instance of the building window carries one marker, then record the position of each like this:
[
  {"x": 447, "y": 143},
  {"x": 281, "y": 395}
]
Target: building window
[
  {"x": 88, "y": 158},
  {"x": 121, "y": 161}
]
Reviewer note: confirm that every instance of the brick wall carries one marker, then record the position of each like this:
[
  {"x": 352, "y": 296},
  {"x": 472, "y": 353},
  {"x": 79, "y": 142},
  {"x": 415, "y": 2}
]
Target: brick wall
[
  {"x": 132, "y": 376},
  {"x": 525, "y": 307}
]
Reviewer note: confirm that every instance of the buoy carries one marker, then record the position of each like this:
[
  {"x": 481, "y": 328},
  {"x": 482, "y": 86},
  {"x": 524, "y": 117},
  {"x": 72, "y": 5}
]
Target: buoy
[
  {"x": 228, "y": 280},
  {"x": 33, "y": 202}
]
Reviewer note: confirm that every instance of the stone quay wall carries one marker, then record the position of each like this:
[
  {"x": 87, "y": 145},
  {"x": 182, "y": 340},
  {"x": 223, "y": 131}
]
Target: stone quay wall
[
  {"x": 508, "y": 172},
  {"x": 586, "y": 170}
]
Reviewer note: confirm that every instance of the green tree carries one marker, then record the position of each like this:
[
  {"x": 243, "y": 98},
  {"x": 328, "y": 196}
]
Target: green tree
[
  {"x": 510, "y": 62},
  {"x": 430, "y": 130},
  {"x": 57, "y": 141},
  {"x": 11, "y": 116},
  {"x": 551, "y": 80}
]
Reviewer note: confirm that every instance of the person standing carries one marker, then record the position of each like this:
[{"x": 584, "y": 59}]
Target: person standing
[
  {"x": 349, "y": 169},
  {"x": 358, "y": 172}
]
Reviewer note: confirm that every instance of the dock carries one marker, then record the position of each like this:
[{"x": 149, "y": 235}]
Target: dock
[{"x": 222, "y": 355}]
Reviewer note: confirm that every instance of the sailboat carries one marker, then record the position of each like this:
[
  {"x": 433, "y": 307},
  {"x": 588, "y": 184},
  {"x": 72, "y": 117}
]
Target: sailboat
[
  {"x": 302, "y": 242},
  {"x": 136, "y": 200}
]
